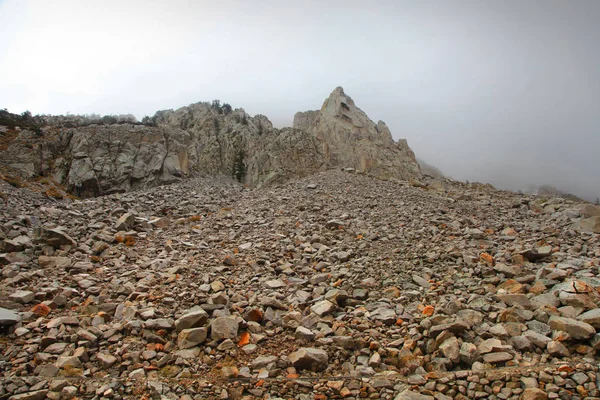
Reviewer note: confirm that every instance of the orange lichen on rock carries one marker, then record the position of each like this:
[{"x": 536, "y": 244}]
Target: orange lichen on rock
[
  {"x": 41, "y": 310},
  {"x": 486, "y": 258},
  {"x": 428, "y": 311},
  {"x": 244, "y": 339}
]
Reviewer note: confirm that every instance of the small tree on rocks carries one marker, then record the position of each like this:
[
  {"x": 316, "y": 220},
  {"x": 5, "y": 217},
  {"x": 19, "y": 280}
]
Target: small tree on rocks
[{"x": 239, "y": 166}]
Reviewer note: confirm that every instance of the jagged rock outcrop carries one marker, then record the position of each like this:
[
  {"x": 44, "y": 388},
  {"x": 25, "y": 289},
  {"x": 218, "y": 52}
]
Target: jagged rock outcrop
[
  {"x": 246, "y": 147},
  {"x": 102, "y": 159},
  {"x": 198, "y": 140},
  {"x": 349, "y": 138},
  {"x": 206, "y": 139}
]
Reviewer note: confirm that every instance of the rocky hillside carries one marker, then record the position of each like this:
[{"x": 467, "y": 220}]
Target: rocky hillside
[
  {"x": 337, "y": 285},
  {"x": 202, "y": 139},
  {"x": 549, "y": 191},
  {"x": 428, "y": 169}
]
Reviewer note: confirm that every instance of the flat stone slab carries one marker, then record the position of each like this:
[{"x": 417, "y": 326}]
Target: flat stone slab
[{"x": 8, "y": 317}]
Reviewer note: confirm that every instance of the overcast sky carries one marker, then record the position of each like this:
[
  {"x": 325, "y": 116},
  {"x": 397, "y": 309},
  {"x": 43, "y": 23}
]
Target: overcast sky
[{"x": 505, "y": 91}]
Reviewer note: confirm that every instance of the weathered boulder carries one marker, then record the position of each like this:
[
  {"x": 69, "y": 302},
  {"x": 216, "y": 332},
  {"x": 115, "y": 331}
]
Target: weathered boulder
[
  {"x": 309, "y": 358},
  {"x": 576, "y": 329},
  {"x": 223, "y": 328},
  {"x": 590, "y": 210},
  {"x": 56, "y": 237},
  {"x": 8, "y": 317},
  {"x": 191, "y": 337},
  {"x": 591, "y": 224},
  {"x": 191, "y": 319},
  {"x": 591, "y": 317}
]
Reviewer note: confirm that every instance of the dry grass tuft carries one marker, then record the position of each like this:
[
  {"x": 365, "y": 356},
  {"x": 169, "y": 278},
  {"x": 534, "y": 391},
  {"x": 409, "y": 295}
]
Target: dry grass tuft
[
  {"x": 129, "y": 241},
  {"x": 54, "y": 193},
  {"x": 15, "y": 181}
]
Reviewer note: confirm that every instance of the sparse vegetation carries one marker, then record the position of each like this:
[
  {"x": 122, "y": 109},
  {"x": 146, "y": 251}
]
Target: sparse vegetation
[
  {"x": 25, "y": 120},
  {"x": 7, "y": 138},
  {"x": 70, "y": 371},
  {"x": 54, "y": 193},
  {"x": 149, "y": 121},
  {"x": 35, "y": 122},
  {"x": 14, "y": 181},
  {"x": 241, "y": 119},
  {"x": 239, "y": 166},
  {"x": 216, "y": 105},
  {"x": 227, "y": 109}
]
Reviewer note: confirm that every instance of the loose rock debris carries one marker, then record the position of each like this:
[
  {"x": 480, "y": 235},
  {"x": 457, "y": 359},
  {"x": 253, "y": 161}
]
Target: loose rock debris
[{"x": 335, "y": 286}]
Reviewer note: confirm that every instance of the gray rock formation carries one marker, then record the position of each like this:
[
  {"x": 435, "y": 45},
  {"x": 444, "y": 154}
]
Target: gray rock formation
[
  {"x": 246, "y": 147},
  {"x": 102, "y": 159},
  {"x": 206, "y": 139},
  {"x": 348, "y": 138}
]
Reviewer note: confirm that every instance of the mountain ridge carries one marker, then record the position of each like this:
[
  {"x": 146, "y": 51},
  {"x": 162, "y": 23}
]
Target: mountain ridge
[{"x": 118, "y": 154}]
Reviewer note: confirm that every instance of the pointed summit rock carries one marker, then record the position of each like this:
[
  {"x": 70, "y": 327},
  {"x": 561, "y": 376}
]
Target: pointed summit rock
[{"x": 349, "y": 138}]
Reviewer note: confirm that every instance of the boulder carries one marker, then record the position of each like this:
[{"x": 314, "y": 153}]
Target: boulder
[
  {"x": 56, "y": 237},
  {"x": 191, "y": 319},
  {"x": 223, "y": 328},
  {"x": 125, "y": 222},
  {"x": 309, "y": 358},
  {"x": 591, "y": 317},
  {"x": 8, "y": 317},
  {"x": 576, "y": 329},
  {"x": 191, "y": 337},
  {"x": 590, "y": 210},
  {"x": 591, "y": 225}
]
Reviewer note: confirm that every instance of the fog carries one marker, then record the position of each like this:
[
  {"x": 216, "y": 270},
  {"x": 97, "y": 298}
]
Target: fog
[{"x": 506, "y": 92}]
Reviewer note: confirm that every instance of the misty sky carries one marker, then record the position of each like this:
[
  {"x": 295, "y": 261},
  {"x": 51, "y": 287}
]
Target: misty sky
[{"x": 505, "y": 91}]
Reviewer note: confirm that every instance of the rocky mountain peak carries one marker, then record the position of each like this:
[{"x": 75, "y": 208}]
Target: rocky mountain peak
[
  {"x": 350, "y": 138},
  {"x": 338, "y": 102}
]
